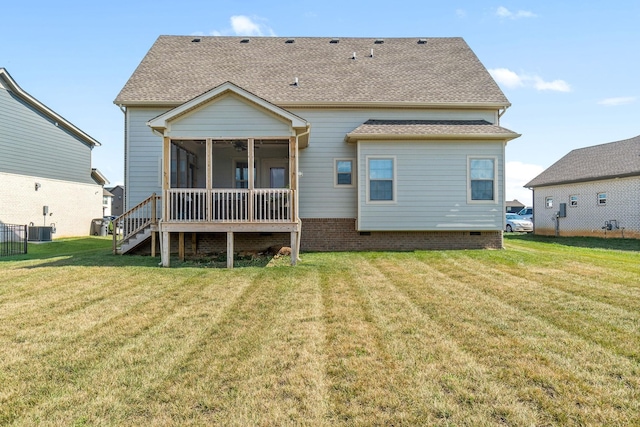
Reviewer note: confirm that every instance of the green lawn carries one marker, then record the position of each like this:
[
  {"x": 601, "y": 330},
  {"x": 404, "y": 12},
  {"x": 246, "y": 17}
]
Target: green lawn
[{"x": 546, "y": 332}]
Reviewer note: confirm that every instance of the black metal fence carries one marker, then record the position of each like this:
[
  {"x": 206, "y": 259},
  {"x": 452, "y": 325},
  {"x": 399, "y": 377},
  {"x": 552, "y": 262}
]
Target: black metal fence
[{"x": 13, "y": 239}]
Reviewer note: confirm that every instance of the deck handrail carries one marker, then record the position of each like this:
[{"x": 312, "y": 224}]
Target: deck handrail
[
  {"x": 229, "y": 205},
  {"x": 135, "y": 219}
]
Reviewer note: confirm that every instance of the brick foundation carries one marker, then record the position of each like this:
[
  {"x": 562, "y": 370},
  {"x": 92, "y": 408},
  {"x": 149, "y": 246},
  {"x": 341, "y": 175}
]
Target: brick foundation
[{"x": 337, "y": 234}]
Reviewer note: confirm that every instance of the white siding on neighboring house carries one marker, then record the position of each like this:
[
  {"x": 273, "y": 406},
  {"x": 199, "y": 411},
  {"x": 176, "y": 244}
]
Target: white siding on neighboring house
[
  {"x": 229, "y": 116},
  {"x": 319, "y": 198},
  {"x": 72, "y": 205},
  {"x": 587, "y": 216},
  {"x": 432, "y": 187}
]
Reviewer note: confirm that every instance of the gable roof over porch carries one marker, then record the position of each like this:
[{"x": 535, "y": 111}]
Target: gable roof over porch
[{"x": 297, "y": 125}]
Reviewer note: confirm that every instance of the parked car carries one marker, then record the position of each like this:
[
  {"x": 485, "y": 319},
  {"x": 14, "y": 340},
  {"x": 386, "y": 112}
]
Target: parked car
[
  {"x": 517, "y": 223},
  {"x": 526, "y": 213}
]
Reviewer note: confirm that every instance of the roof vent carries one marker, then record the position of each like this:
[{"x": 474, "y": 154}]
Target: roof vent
[
  {"x": 371, "y": 56},
  {"x": 290, "y": 41},
  {"x": 295, "y": 83},
  {"x": 422, "y": 41},
  {"x": 195, "y": 41},
  {"x": 354, "y": 56},
  {"x": 244, "y": 41},
  {"x": 379, "y": 41},
  {"x": 334, "y": 41}
]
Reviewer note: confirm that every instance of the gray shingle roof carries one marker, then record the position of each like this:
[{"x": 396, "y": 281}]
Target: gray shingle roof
[
  {"x": 478, "y": 128},
  {"x": 401, "y": 70},
  {"x": 613, "y": 160}
]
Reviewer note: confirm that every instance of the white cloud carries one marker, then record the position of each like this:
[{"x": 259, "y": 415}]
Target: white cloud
[
  {"x": 621, "y": 100},
  {"x": 242, "y": 25},
  {"x": 556, "y": 85},
  {"x": 517, "y": 175},
  {"x": 461, "y": 13},
  {"x": 506, "y": 77},
  {"x": 512, "y": 80},
  {"x": 503, "y": 12}
]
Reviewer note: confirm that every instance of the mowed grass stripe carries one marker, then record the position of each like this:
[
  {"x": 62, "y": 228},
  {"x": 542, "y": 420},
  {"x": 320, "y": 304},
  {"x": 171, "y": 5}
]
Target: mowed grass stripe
[
  {"x": 555, "y": 372},
  {"x": 441, "y": 382},
  {"x": 56, "y": 365},
  {"x": 565, "y": 303},
  {"x": 127, "y": 386},
  {"x": 255, "y": 363}
]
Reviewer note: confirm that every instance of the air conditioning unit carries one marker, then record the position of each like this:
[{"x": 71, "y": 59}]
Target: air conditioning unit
[{"x": 40, "y": 234}]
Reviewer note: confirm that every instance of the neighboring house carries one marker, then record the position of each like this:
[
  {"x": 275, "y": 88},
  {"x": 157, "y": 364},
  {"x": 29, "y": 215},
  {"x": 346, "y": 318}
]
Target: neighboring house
[
  {"x": 355, "y": 144},
  {"x": 107, "y": 202},
  {"x": 513, "y": 206},
  {"x": 45, "y": 166},
  {"x": 592, "y": 191},
  {"x": 107, "y": 197},
  {"x": 118, "y": 200}
]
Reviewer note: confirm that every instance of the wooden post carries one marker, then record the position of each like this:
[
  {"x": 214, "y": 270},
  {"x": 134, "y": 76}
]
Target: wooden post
[
  {"x": 153, "y": 243},
  {"x": 194, "y": 243},
  {"x": 165, "y": 252},
  {"x": 166, "y": 176},
  {"x": 250, "y": 163},
  {"x": 229, "y": 249},
  {"x": 181, "y": 246},
  {"x": 294, "y": 247},
  {"x": 209, "y": 183}
]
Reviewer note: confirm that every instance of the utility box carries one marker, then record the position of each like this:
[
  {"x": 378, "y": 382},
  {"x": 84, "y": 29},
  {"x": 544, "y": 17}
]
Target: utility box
[
  {"x": 562, "y": 213},
  {"x": 40, "y": 234}
]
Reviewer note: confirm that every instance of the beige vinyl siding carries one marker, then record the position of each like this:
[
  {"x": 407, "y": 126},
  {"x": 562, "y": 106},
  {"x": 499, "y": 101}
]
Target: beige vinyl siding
[
  {"x": 32, "y": 144},
  {"x": 319, "y": 198},
  {"x": 229, "y": 116},
  {"x": 144, "y": 151},
  {"x": 431, "y": 187}
]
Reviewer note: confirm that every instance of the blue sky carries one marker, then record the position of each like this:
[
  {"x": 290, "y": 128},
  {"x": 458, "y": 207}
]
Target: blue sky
[{"x": 570, "y": 69}]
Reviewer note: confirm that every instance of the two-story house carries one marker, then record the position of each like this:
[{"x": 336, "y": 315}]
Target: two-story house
[{"x": 317, "y": 143}]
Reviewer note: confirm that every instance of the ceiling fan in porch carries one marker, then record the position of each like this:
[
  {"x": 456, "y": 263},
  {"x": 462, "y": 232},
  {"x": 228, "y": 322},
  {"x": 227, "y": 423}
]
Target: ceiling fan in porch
[{"x": 240, "y": 145}]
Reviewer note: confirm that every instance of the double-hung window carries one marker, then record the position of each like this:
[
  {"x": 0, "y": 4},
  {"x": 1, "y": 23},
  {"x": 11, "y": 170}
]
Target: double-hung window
[
  {"x": 381, "y": 176},
  {"x": 343, "y": 172},
  {"x": 482, "y": 178}
]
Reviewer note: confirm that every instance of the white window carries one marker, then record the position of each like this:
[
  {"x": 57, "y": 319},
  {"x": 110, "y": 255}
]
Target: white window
[
  {"x": 482, "y": 179},
  {"x": 548, "y": 202},
  {"x": 573, "y": 201},
  {"x": 602, "y": 199},
  {"x": 381, "y": 179},
  {"x": 343, "y": 173}
]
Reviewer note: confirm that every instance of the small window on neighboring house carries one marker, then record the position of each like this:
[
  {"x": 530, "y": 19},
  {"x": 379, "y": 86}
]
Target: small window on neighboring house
[
  {"x": 573, "y": 201},
  {"x": 548, "y": 202},
  {"x": 482, "y": 182},
  {"x": 343, "y": 172},
  {"x": 602, "y": 199},
  {"x": 381, "y": 173}
]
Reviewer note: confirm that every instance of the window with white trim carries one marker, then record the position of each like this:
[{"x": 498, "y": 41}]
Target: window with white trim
[
  {"x": 573, "y": 201},
  {"x": 381, "y": 174},
  {"x": 482, "y": 178},
  {"x": 548, "y": 202},
  {"x": 602, "y": 199},
  {"x": 343, "y": 172}
]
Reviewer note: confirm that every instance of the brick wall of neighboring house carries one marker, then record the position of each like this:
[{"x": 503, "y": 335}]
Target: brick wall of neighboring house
[
  {"x": 72, "y": 205},
  {"x": 587, "y": 217},
  {"x": 337, "y": 234}
]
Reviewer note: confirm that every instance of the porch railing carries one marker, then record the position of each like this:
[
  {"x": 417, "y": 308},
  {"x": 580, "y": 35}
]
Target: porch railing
[
  {"x": 135, "y": 219},
  {"x": 230, "y": 205}
]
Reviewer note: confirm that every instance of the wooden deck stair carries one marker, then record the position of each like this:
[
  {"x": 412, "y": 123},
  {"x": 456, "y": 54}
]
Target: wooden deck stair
[{"x": 136, "y": 224}]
